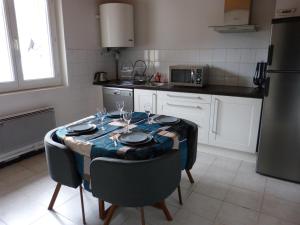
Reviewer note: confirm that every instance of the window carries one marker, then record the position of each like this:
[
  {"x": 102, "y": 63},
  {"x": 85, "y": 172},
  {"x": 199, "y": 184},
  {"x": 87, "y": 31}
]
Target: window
[{"x": 28, "y": 45}]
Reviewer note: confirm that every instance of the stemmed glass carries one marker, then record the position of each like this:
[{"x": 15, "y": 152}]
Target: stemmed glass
[
  {"x": 101, "y": 114},
  {"x": 127, "y": 116},
  {"x": 120, "y": 107},
  {"x": 148, "y": 109}
]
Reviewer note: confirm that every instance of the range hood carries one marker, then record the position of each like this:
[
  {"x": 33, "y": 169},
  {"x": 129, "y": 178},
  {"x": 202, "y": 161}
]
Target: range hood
[{"x": 236, "y": 17}]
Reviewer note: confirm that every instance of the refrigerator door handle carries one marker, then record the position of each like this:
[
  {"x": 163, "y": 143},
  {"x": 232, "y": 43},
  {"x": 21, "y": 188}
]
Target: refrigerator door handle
[
  {"x": 270, "y": 54},
  {"x": 267, "y": 85}
]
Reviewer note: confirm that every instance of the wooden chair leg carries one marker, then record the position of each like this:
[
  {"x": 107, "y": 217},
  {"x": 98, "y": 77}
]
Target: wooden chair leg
[
  {"x": 143, "y": 216},
  {"x": 167, "y": 213},
  {"x": 190, "y": 176},
  {"x": 110, "y": 214},
  {"x": 54, "y": 196},
  {"x": 101, "y": 209},
  {"x": 82, "y": 205},
  {"x": 179, "y": 194}
]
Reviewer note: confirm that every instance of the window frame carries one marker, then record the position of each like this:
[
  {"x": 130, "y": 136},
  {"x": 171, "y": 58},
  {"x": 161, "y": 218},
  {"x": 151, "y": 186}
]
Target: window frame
[{"x": 19, "y": 83}]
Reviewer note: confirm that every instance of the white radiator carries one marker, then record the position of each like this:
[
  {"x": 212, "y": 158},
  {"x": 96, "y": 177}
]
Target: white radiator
[{"x": 24, "y": 132}]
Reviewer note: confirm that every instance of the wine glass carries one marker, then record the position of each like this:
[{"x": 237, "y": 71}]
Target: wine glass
[
  {"x": 127, "y": 116},
  {"x": 148, "y": 109},
  {"x": 101, "y": 114},
  {"x": 120, "y": 107},
  {"x": 114, "y": 138}
]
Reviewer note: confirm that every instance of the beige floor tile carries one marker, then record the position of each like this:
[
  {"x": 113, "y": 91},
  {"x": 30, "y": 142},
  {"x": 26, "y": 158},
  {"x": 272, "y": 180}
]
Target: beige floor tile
[
  {"x": 36, "y": 164},
  {"x": 219, "y": 175},
  {"x": 282, "y": 209},
  {"x": 203, "y": 206},
  {"x": 184, "y": 216},
  {"x": 185, "y": 182},
  {"x": 227, "y": 164},
  {"x": 247, "y": 167},
  {"x": 17, "y": 209},
  {"x": 251, "y": 181},
  {"x": 14, "y": 174},
  {"x": 211, "y": 188},
  {"x": 216, "y": 177},
  {"x": 173, "y": 199},
  {"x": 155, "y": 216},
  {"x": 45, "y": 186},
  {"x": 283, "y": 189},
  {"x": 205, "y": 158},
  {"x": 199, "y": 169},
  {"x": 270, "y": 220},
  {"x": 3, "y": 188},
  {"x": 245, "y": 198},
  {"x": 236, "y": 215},
  {"x": 52, "y": 218},
  {"x": 72, "y": 210}
]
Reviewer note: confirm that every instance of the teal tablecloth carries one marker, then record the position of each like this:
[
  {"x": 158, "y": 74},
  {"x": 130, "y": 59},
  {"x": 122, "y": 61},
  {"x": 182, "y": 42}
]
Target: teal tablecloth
[{"x": 86, "y": 149}]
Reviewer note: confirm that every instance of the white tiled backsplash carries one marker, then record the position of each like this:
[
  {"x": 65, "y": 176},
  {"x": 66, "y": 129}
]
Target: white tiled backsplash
[{"x": 232, "y": 66}]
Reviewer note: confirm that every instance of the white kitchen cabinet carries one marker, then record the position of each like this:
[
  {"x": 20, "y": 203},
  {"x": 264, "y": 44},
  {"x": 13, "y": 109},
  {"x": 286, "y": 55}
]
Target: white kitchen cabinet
[
  {"x": 143, "y": 97},
  {"x": 193, "y": 107},
  {"x": 234, "y": 123}
]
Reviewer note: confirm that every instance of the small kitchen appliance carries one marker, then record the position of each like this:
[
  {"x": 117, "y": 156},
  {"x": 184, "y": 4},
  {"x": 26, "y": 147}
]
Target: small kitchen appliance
[
  {"x": 100, "y": 77},
  {"x": 188, "y": 75}
]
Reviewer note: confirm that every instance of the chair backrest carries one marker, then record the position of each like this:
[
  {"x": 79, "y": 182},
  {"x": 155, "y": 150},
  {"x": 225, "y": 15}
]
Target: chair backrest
[
  {"x": 192, "y": 144},
  {"x": 135, "y": 183},
  {"x": 61, "y": 162}
]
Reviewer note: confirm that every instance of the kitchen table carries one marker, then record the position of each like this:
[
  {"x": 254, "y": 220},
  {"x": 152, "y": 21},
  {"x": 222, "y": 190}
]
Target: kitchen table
[{"x": 100, "y": 144}]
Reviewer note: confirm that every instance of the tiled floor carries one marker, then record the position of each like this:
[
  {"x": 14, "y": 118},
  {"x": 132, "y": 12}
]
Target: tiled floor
[{"x": 226, "y": 192}]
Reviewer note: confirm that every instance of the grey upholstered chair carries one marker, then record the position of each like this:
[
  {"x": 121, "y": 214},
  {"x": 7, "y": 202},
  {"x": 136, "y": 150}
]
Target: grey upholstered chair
[
  {"x": 139, "y": 183},
  {"x": 62, "y": 168},
  {"x": 192, "y": 148}
]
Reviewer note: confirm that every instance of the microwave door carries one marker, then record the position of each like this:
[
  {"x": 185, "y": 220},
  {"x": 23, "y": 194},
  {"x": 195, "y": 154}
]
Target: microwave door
[{"x": 181, "y": 76}]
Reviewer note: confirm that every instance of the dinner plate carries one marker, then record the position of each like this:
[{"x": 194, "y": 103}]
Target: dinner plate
[
  {"x": 166, "y": 120},
  {"x": 134, "y": 138},
  {"x": 81, "y": 128},
  {"x": 115, "y": 114}
]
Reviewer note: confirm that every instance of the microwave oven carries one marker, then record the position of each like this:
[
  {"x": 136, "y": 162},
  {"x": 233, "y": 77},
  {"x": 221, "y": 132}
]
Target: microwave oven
[{"x": 188, "y": 75}]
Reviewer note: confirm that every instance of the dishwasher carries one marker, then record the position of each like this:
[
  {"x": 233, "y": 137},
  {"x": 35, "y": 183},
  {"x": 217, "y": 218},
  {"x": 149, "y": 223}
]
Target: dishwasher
[{"x": 111, "y": 95}]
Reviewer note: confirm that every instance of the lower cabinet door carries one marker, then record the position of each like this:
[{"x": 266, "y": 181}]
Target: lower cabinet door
[
  {"x": 234, "y": 123},
  {"x": 143, "y": 98},
  {"x": 196, "y": 112}
]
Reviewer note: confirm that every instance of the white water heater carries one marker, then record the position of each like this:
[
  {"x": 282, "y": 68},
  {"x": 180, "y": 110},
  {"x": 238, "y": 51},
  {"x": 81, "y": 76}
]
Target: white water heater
[{"x": 116, "y": 24}]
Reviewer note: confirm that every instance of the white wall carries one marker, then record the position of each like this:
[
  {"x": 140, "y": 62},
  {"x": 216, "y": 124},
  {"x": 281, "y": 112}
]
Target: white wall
[
  {"x": 176, "y": 32},
  {"x": 84, "y": 58}
]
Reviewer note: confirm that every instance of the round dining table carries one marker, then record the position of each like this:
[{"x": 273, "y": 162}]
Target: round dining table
[{"x": 103, "y": 141}]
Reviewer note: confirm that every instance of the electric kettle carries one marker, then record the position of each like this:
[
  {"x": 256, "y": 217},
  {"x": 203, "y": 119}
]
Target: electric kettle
[{"x": 100, "y": 77}]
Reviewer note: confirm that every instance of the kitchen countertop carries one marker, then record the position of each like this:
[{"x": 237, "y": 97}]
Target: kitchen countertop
[{"x": 235, "y": 91}]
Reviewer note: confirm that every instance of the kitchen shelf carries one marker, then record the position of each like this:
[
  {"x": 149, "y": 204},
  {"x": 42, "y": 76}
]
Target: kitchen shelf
[{"x": 235, "y": 28}]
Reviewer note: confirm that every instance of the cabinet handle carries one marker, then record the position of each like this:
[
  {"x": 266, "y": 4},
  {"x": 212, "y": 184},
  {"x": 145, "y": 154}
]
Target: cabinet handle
[
  {"x": 216, "y": 108},
  {"x": 154, "y": 103},
  {"x": 185, "y": 106},
  {"x": 181, "y": 96}
]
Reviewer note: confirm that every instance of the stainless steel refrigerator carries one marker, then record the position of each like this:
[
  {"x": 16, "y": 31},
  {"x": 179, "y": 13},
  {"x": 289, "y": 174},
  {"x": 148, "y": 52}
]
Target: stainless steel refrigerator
[{"x": 279, "y": 142}]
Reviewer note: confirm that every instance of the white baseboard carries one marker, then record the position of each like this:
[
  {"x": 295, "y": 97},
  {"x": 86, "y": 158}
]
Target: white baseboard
[{"x": 249, "y": 157}]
